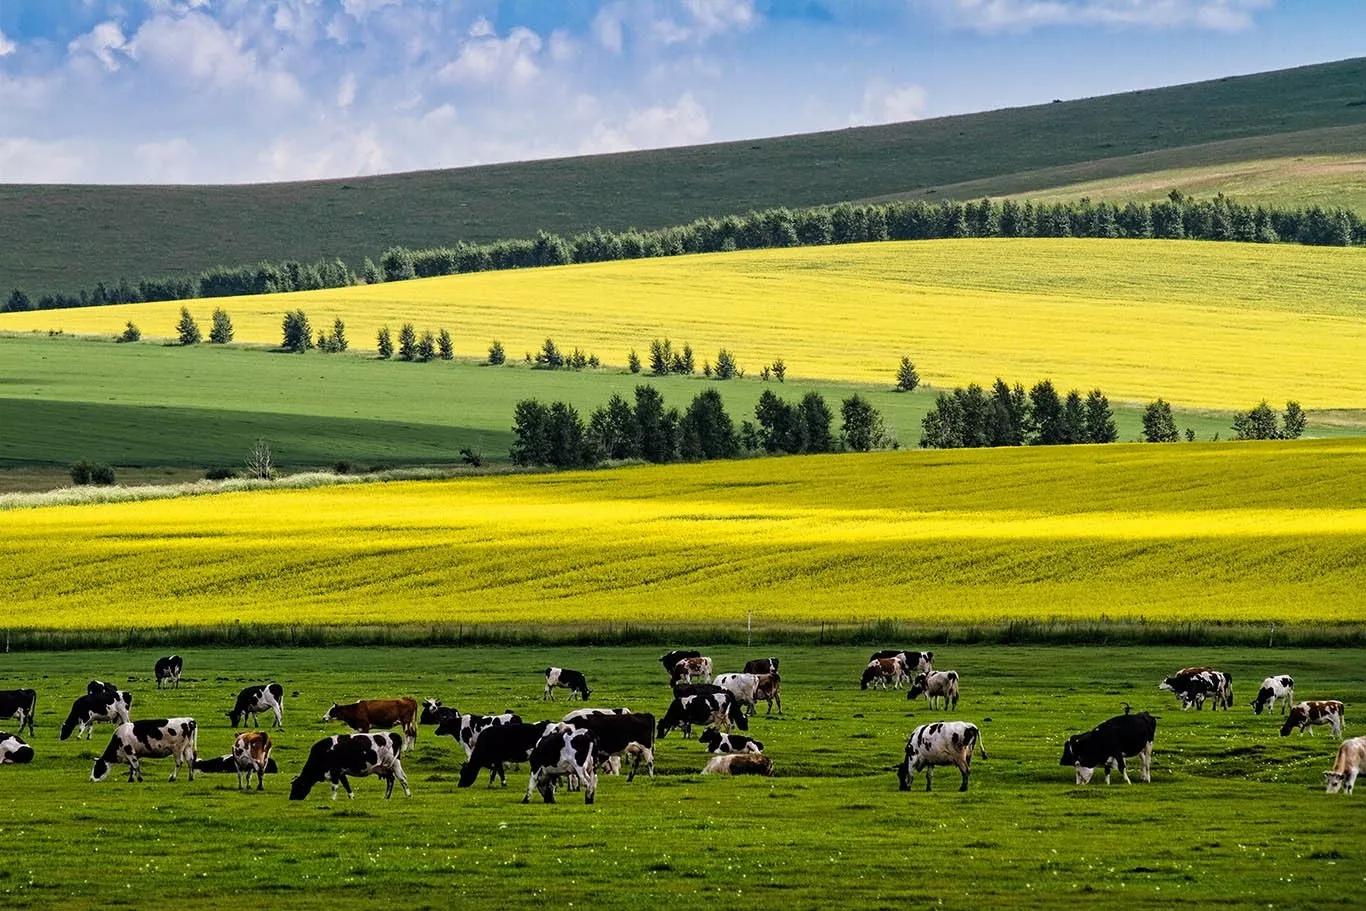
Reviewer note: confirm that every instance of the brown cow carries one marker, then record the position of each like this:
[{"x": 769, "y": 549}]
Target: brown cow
[
  {"x": 251, "y": 753},
  {"x": 739, "y": 764},
  {"x": 882, "y": 671},
  {"x": 1316, "y": 711},
  {"x": 379, "y": 713}
]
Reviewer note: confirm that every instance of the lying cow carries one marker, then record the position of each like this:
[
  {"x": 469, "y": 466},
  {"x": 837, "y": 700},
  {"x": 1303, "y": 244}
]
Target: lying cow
[
  {"x": 619, "y": 732},
  {"x": 1109, "y": 744},
  {"x": 251, "y": 756},
  {"x": 467, "y": 728},
  {"x": 940, "y": 743},
  {"x": 378, "y": 713},
  {"x": 227, "y": 765},
  {"x": 1306, "y": 715},
  {"x": 13, "y": 750},
  {"x": 334, "y": 759},
  {"x": 20, "y": 705},
  {"x": 670, "y": 659},
  {"x": 716, "y": 742},
  {"x": 264, "y": 697},
  {"x": 762, "y": 666},
  {"x": 1343, "y": 775},
  {"x": 739, "y": 764},
  {"x": 500, "y": 746},
  {"x": 134, "y": 741},
  {"x": 883, "y": 671},
  {"x": 102, "y": 705},
  {"x": 915, "y": 662},
  {"x": 936, "y": 685},
  {"x": 1273, "y": 688},
  {"x": 167, "y": 671},
  {"x": 688, "y": 668},
  {"x": 574, "y": 681},
  {"x": 719, "y": 710},
  {"x": 563, "y": 751}
]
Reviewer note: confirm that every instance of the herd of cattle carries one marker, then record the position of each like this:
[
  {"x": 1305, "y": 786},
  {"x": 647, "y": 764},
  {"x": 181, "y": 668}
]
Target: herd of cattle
[{"x": 572, "y": 751}]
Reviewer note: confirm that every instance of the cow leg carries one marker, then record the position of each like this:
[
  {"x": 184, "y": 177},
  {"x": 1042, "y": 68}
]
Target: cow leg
[
  {"x": 929, "y": 778},
  {"x": 402, "y": 778},
  {"x": 1119, "y": 762},
  {"x": 1352, "y": 780},
  {"x": 279, "y": 719},
  {"x": 1147, "y": 755},
  {"x": 530, "y": 786},
  {"x": 589, "y": 776},
  {"x": 966, "y": 770},
  {"x": 548, "y": 694}
]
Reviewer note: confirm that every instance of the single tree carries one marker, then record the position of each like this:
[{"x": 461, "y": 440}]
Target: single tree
[
  {"x": 220, "y": 333},
  {"x": 445, "y": 347},
  {"x": 686, "y": 363},
  {"x": 407, "y": 342},
  {"x": 1158, "y": 424},
  {"x": 530, "y": 440},
  {"x": 384, "y": 344},
  {"x": 1074, "y": 418},
  {"x": 131, "y": 333},
  {"x": 780, "y": 370},
  {"x": 1047, "y": 410},
  {"x": 815, "y": 419},
  {"x": 633, "y": 361},
  {"x": 1258, "y": 424},
  {"x": 370, "y": 273},
  {"x": 612, "y": 431},
  {"x": 707, "y": 431},
  {"x": 337, "y": 340},
  {"x": 906, "y": 376},
  {"x": 549, "y": 356},
  {"x": 186, "y": 329},
  {"x": 297, "y": 334},
  {"x": 1293, "y": 422},
  {"x": 497, "y": 356},
  {"x": 726, "y": 367},
  {"x": 260, "y": 461}
]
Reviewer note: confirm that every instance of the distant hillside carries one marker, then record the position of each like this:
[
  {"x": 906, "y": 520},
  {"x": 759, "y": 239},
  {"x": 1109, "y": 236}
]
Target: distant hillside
[{"x": 64, "y": 237}]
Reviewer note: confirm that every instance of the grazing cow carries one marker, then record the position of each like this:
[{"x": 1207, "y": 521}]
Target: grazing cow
[
  {"x": 940, "y": 743},
  {"x": 762, "y": 666},
  {"x": 1192, "y": 686},
  {"x": 13, "y": 750},
  {"x": 688, "y": 668},
  {"x": 720, "y": 710},
  {"x": 467, "y": 728},
  {"x": 882, "y": 671},
  {"x": 563, "y": 750},
  {"x": 378, "y": 713},
  {"x": 264, "y": 697},
  {"x": 134, "y": 741},
  {"x": 1343, "y": 775},
  {"x": 499, "y": 746},
  {"x": 1273, "y": 688},
  {"x": 739, "y": 764},
  {"x": 696, "y": 689},
  {"x": 936, "y": 685},
  {"x": 750, "y": 688},
  {"x": 334, "y": 759},
  {"x": 670, "y": 660},
  {"x": 915, "y": 662},
  {"x": 619, "y": 732},
  {"x": 1316, "y": 711},
  {"x": 100, "y": 688},
  {"x": 167, "y": 671},
  {"x": 574, "y": 681},
  {"x": 251, "y": 754},
  {"x": 1109, "y": 744},
  {"x": 1222, "y": 684},
  {"x": 716, "y": 742},
  {"x": 227, "y": 765},
  {"x": 103, "y": 705},
  {"x": 21, "y": 705}
]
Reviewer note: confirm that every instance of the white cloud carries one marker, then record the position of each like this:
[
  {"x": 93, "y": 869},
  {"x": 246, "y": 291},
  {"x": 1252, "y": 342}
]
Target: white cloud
[
  {"x": 314, "y": 155},
  {"x": 171, "y": 161},
  {"x": 105, "y": 42},
  {"x": 198, "y": 48},
  {"x": 361, "y": 9},
  {"x": 346, "y": 91},
  {"x": 683, "y": 123},
  {"x": 883, "y": 103},
  {"x": 37, "y": 161},
  {"x": 608, "y": 27},
  {"x": 714, "y": 17},
  {"x": 6, "y": 46},
  {"x": 1021, "y": 15},
  {"x": 486, "y": 58}
]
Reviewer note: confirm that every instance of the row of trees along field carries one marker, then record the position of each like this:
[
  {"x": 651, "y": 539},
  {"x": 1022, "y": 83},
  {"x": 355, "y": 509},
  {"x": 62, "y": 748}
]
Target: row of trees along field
[
  {"x": 555, "y": 434},
  {"x": 1178, "y": 216}
]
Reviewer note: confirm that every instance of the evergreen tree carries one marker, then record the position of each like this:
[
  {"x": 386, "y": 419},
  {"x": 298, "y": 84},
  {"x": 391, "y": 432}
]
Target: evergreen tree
[
  {"x": 1074, "y": 418},
  {"x": 221, "y": 332},
  {"x": 653, "y": 430},
  {"x": 1293, "y": 422},
  {"x": 906, "y": 376},
  {"x": 131, "y": 333},
  {"x": 815, "y": 419},
  {"x": 384, "y": 344},
  {"x": 187, "y": 330},
  {"x": 726, "y": 367},
  {"x": 297, "y": 334},
  {"x": 549, "y": 357},
  {"x": 686, "y": 364},
  {"x": 566, "y": 436},
  {"x": 426, "y": 347},
  {"x": 1009, "y": 422},
  {"x": 1158, "y": 424},
  {"x": 633, "y": 361},
  {"x": 407, "y": 342},
  {"x": 661, "y": 357},
  {"x": 1047, "y": 411},
  {"x": 397, "y": 265},
  {"x": 445, "y": 347},
  {"x": 1100, "y": 421},
  {"x": 370, "y": 273},
  {"x": 530, "y": 436},
  {"x": 707, "y": 431},
  {"x": 497, "y": 356}
]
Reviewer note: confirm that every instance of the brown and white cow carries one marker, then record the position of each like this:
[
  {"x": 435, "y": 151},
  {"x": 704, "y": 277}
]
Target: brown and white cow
[
  {"x": 1305, "y": 715},
  {"x": 749, "y": 689},
  {"x": 1343, "y": 775},
  {"x": 739, "y": 764},
  {"x": 689, "y": 669},
  {"x": 251, "y": 755},
  {"x": 883, "y": 671},
  {"x": 941, "y": 686},
  {"x": 378, "y": 713},
  {"x": 761, "y": 666}
]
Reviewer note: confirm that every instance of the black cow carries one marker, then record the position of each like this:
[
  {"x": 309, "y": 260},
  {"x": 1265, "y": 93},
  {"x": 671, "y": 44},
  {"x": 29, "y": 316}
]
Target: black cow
[
  {"x": 104, "y": 704},
  {"x": 333, "y": 759},
  {"x": 619, "y": 733},
  {"x": 264, "y": 697},
  {"x": 21, "y": 705},
  {"x": 433, "y": 712},
  {"x": 762, "y": 666},
  {"x": 716, "y": 742},
  {"x": 671, "y": 659},
  {"x": 227, "y": 764},
  {"x": 167, "y": 671},
  {"x": 574, "y": 681},
  {"x": 499, "y": 746},
  {"x": 1108, "y": 743},
  {"x": 715, "y": 709}
]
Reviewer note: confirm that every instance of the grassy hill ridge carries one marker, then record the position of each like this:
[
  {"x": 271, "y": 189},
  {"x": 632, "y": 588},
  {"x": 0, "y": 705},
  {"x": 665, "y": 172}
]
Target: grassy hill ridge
[{"x": 133, "y": 231}]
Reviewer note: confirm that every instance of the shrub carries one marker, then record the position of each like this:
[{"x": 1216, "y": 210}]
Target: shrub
[
  {"x": 1158, "y": 424},
  {"x": 396, "y": 265},
  {"x": 131, "y": 333},
  {"x": 445, "y": 348},
  {"x": 297, "y": 335},
  {"x": 407, "y": 342},
  {"x": 342, "y": 466},
  {"x": 497, "y": 356},
  {"x": 906, "y": 377},
  {"x": 220, "y": 333},
  {"x": 101, "y": 475},
  {"x": 1047, "y": 411},
  {"x": 549, "y": 357},
  {"x": 384, "y": 344},
  {"x": 80, "y": 473},
  {"x": 780, "y": 370},
  {"x": 219, "y": 474}
]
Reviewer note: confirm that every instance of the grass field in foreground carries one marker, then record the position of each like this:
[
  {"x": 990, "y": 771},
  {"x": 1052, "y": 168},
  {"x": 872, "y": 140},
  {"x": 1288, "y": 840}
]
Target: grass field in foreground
[
  {"x": 1204, "y": 325},
  {"x": 66, "y": 399},
  {"x": 1235, "y": 815},
  {"x": 1200, "y": 532}
]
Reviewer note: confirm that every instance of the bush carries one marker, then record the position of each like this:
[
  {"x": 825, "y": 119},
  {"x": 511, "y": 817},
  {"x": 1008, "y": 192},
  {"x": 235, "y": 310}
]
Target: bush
[
  {"x": 396, "y": 265},
  {"x": 342, "y": 466},
  {"x": 780, "y": 370},
  {"x": 101, "y": 475},
  {"x": 219, "y": 474},
  {"x": 907, "y": 379},
  {"x": 131, "y": 333},
  {"x": 471, "y": 457},
  {"x": 187, "y": 330},
  {"x": 80, "y": 473},
  {"x": 297, "y": 335},
  {"x": 497, "y": 356},
  {"x": 221, "y": 332},
  {"x": 384, "y": 344}
]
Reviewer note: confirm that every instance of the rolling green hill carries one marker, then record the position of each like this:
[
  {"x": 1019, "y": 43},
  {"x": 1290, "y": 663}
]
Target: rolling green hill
[{"x": 65, "y": 237}]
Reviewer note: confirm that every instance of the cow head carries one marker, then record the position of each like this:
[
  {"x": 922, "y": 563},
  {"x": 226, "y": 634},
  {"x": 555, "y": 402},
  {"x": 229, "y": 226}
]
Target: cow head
[
  {"x": 329, "y": 715},
  {"x": 431, "y": 712},
  {"x": 1297, "y": 717},
  {"x": 736, "y": 714},
  {"x": 870, "y": 673},
  {"x": 712, "y": 738},
  {"x": 903, "y": 774},
  {"x": 1169, "y": 684},
  {"x": 917, "y": 686},
  {"x": 299, "y": 787},
  {"x": 1069, "y": 751},
  {"x": 1263, "y": 697},
  {"x": 101, "y": 769},
  {"x": 1333, "y": 781}
]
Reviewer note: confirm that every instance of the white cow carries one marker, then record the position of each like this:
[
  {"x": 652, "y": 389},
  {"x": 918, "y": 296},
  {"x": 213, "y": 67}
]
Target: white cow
[
  {"x": 134, "y": 741},
  {"x": 940, "y": 743},
  {"x": 1351, "y": 757},
  {"x": 1273, "y": 688}
]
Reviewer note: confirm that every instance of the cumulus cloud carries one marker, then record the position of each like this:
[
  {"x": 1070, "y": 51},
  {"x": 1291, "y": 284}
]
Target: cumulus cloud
[
  {"x": 105, "y": 42},
  {"x": 683, "y": 123},
  {"x": 884, "y": 103},
  {"x": 1019, "y": 15},
  {"x": 39, "y": 161},
  {"x": 169, "y": 161},
  {"x": 484, "y": 57},
  {"x": 6, "y": 46},
  {"x": 196, "y": 47}
]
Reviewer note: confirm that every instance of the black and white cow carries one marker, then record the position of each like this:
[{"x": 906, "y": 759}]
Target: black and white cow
[
  {"x": 433, "y": 712},
  {"x": 750, "y": 689},
  {"x": 940, "y": 743},
  {"x": 134, "y": 741},
  {"x": 100, "y": 688},
  {"x": 167, "y": 671},
  {"x": 670, "y": 659},
  {"x": 1273, "y": 688},
  {"x": 13, "y": 750},
  {"x": 619, "y": 732},
  {"x": 761, "y": 666},
  {"x": 467, "y": 728},
  {"x": 20, "y": 705},
  {"x": 563, "y": 751},
  {"x": 227, "y": 765},
  {"x": 500, "y": 746},
  {"x": 716, "y": 742},
  {"x": 1196, "y": 686},
  {"x": 263, "y": 697},
  {"x": 941, "y": 686},
  {"x": 574, "y": 681},
  {"x": 334, "y": 759},
  {"x": 695, "y": 689},
  {"x": 916, "y": 662},
  {"x": 719, "y": 710},
  {"x": 101, "y": 705},
  {"x": 1109, "y": 744}
]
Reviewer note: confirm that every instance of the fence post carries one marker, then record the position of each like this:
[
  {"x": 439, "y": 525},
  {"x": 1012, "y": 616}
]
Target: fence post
[{"x": 749, "y": 628}]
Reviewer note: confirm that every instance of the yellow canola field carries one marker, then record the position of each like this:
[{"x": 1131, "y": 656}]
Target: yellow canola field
[
  {"x": 1201, "y": 532},
  {"x": 1201, "y": 324}
]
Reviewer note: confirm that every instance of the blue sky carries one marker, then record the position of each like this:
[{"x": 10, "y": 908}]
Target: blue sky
[{"x": 118, "y": 91}]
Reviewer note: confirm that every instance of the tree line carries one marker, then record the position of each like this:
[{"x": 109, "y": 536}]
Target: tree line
[
  {"x": 1177, "y": 216},
  {"x": 644, "y": 428}
]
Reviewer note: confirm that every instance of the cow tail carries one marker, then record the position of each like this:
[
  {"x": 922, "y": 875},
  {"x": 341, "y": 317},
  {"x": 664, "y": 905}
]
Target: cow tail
[
  {"x": 980, "y": 746},
  {"x": 32, "y": 711}
]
